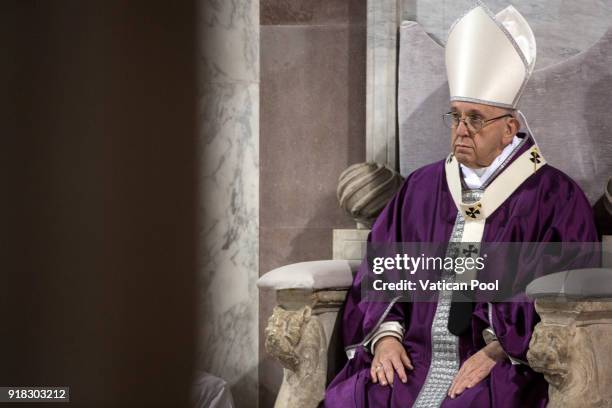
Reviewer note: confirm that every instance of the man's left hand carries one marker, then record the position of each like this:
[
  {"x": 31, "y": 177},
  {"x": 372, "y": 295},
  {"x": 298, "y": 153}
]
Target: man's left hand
[{"x": 476, "y": 368}]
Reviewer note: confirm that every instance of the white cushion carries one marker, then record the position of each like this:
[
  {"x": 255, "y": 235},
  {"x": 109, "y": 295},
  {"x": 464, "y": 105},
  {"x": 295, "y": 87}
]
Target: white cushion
[
  {"x": 577, "y": 283},
  {"x": 326, "y": 274}
]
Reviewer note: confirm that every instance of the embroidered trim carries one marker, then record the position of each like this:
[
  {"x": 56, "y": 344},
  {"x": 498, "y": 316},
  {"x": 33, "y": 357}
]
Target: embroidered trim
[
  {"x": 444, "y": 345},
  {"x": 472, "y": 195},
  {"x": 482, "y": 101},
  {"x": 391, "y": 328},
  {"x": 489, "y": 336},
  {"x": 513, "y": 361},
  {"x": 505, "y": 162},
  {"x": 506, "y": 33},
  {"x": 350, "y": 350},
  {"x": 498, "y": 191}
]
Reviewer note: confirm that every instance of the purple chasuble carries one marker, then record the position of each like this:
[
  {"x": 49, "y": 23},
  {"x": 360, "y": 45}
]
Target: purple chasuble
[{"x": 547, "y": 207}]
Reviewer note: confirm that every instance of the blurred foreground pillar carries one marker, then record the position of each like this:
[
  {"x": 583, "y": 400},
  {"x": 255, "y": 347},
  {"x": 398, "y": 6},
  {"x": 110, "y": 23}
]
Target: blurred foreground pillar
[
  {"x": 228, "y": 148},
  {"x": 98, "y": 200}
]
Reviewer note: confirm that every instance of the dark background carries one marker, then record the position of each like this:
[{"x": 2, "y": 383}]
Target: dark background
[{"x": 97, "y": 272}]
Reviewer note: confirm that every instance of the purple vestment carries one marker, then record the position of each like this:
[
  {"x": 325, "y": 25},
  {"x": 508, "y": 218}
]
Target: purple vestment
[{"x": 547, "y": 207}]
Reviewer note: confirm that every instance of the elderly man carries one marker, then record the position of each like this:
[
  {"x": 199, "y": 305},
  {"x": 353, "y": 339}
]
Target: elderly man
[{"x": 494, "y": 186}]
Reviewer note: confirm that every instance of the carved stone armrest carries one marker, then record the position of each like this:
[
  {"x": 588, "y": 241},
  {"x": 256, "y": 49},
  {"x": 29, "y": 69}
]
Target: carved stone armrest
[
  {"x": 309, "y": 295},
  {"x": 572, "y": 344}
]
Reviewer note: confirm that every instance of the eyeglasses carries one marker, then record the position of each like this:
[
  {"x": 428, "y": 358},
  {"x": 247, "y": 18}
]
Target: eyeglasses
[{"x": 474, "y": 123}]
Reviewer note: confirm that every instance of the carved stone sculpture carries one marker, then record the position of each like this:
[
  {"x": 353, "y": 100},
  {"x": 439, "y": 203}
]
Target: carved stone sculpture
[
  {"x": 301, "y": 326},
  {"x": 572, "y": 347},
  {"x": 297, "y": 339},
  {"x": 365, "y": 188}
]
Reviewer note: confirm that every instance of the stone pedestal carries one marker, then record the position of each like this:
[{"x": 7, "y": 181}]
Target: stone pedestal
[
  {"x": 350, "y": 244},
  {"x": 572, "y": 347}
]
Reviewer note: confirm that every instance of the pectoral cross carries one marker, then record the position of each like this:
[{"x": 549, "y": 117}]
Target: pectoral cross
[
  {"x": 473, "y": 211},
  {"x": 470, "y": 251}
]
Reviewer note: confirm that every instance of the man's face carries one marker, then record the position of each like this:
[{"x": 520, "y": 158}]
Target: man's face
[{"x": 480, "y": 149}]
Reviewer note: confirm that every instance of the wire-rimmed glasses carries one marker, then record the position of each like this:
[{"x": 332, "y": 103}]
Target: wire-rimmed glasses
[{"x": 474, "y": 123}]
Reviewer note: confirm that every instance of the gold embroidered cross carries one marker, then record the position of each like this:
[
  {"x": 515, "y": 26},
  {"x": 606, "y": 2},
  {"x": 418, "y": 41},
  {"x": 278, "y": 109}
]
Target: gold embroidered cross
[
  {"x": 535, "y": 158},
  {"x": 472, "y": 212},
  {"x": 470, "y": 251}
]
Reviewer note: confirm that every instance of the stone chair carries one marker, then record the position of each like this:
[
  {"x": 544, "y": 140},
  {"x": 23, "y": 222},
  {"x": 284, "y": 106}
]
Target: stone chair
[{"x": 571, "y": 346}]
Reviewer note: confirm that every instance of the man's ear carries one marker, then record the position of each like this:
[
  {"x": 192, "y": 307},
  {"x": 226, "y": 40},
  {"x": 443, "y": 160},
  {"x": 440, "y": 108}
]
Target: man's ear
[{"x": 512, "y": 128}]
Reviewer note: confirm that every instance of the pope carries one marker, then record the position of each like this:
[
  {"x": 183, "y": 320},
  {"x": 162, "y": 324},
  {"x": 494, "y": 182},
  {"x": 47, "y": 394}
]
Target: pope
[{"x": 494, "y": 186}]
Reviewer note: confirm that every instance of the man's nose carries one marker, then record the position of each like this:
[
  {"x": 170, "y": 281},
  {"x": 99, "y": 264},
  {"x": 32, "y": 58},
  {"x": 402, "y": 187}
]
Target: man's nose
[{"x": 462, "y": 129}]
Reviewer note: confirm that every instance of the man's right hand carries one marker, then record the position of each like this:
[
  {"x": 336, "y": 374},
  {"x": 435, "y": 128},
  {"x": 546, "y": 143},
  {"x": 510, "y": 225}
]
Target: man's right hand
[{"x": 389, "y": 356}]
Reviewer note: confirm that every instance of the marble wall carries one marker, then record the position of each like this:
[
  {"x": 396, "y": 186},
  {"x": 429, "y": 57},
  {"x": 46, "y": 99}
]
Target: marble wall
[
  {"x": 228, "y": 118},
  {"x": 312, "y": 128}
]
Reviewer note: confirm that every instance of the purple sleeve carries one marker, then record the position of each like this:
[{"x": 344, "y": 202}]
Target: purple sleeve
[
  {"x": 571, "y": 220},
  {"x": 360, "y": 317}
]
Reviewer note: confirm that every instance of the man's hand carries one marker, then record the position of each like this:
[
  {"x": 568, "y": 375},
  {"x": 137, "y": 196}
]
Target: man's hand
[
  {"x": 389, "y": 356},
  {"x": 476, "y": 368}
]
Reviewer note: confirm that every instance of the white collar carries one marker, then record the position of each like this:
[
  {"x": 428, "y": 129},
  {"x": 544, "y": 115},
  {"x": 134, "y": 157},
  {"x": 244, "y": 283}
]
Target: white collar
[{"x": 475, "y": 178}]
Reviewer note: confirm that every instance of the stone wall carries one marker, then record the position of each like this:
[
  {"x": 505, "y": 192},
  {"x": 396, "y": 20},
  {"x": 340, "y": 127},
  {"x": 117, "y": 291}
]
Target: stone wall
[
  {"x": 312, "y": 128},
  {"x": 562, "y": 28}
]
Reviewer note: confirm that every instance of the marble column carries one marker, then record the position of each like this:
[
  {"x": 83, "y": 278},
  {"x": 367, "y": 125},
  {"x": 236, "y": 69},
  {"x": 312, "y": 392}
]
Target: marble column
[
  {"x": 228, "y": 119},
  {"x": 381, "y": 89}
]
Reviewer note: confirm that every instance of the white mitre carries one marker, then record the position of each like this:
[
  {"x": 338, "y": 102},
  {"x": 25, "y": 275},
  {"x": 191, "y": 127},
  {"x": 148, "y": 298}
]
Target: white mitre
[{"x": 489, "y": 58}]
